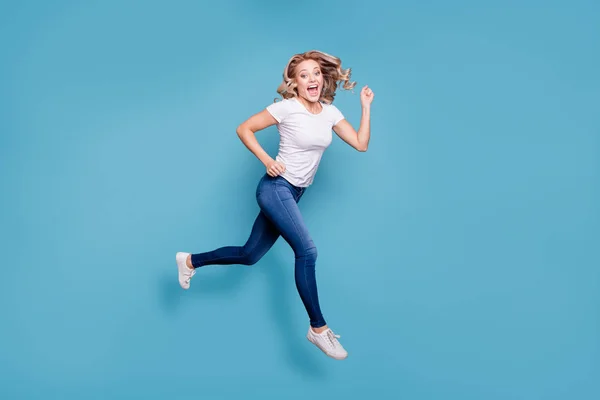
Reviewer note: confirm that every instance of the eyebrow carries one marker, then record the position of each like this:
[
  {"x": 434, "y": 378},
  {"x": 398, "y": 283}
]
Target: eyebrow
[{"x": 304, "y": 69}]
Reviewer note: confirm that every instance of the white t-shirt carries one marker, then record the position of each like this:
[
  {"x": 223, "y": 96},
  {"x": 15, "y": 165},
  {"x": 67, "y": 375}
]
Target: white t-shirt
[{"x": 303, "y": 138}]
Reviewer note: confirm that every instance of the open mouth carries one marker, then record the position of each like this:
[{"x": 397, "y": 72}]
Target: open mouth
[{"x": 313, "y": 90}]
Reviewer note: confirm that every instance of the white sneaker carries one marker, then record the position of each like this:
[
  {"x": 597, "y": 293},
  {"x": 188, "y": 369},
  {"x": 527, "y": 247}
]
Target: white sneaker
[
  {"x": 327, "y": 341},
  {"x": 185, "y": 274}
]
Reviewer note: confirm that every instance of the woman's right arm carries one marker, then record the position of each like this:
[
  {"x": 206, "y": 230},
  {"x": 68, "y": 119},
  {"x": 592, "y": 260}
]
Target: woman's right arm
[{"x": 246, "y": 132}]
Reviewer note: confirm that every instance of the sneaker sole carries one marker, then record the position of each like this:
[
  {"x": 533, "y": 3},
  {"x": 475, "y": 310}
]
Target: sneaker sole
[
  {"x": 326, "y": 353},
  {"x": 177, "y": 256}
]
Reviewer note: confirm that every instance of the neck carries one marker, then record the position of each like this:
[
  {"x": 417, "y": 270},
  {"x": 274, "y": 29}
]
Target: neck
[{"x": 313, "y": 107}]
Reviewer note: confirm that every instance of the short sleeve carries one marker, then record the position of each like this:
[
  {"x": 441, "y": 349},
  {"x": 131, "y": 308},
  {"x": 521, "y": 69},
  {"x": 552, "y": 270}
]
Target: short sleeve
[
  {"x": 279, "y": 110},
  {"x": 336, "y": 115}
]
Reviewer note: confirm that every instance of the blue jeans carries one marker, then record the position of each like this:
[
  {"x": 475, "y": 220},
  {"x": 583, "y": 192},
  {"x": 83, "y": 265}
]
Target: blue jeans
[{"x": 279, "y": 216}]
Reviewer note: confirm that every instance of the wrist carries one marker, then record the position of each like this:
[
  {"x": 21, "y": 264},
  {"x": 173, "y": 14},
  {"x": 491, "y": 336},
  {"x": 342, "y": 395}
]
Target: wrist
[{"x": 267, "y": 160}]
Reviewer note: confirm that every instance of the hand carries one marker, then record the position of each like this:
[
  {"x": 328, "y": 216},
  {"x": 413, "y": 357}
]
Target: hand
[
  {"x": 366, "y": 96},
  {"x": 275, "y": 168}
]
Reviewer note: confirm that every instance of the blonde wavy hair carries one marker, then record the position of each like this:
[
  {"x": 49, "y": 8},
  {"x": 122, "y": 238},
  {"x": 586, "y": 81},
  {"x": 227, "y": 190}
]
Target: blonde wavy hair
[{"x": 334, "y": 76}]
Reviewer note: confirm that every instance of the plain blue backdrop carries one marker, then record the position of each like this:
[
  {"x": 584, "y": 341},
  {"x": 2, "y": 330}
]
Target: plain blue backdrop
[{"x": 458, "y": 257}]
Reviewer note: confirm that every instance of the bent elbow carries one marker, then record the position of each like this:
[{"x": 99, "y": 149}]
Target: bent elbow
[
  {"x": 240, "y": 130},
  {"x": 362, "y": 149},
  {"x": 244, "y": 130}
]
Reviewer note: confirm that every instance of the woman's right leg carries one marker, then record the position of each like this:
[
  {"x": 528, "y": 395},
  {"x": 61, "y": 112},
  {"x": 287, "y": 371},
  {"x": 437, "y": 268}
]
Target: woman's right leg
[{"x": 262, "y": 237}]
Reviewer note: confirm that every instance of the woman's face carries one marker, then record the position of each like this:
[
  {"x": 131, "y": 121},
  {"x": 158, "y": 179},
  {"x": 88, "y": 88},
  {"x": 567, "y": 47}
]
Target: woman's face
[{"x": 309, "y": 80}]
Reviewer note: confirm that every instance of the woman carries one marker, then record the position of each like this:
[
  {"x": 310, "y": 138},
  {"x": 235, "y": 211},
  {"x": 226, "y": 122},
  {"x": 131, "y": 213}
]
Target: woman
[{"x": 305, "y": 118}]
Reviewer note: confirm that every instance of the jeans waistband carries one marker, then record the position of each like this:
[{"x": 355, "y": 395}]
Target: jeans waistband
[{"x": 280, "y": 180}]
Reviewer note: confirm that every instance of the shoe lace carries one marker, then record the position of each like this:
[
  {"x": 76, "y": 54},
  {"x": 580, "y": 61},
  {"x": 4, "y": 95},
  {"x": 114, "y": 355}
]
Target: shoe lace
[
  {"x": 189, "y": 276},
  {"x": 332, "y": 338}
]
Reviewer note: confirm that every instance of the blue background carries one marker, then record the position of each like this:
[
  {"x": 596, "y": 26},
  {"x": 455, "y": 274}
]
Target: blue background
[{"x": 458, "y": 257}]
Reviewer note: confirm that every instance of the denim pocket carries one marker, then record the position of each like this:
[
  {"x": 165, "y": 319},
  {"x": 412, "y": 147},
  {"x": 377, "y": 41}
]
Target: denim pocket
[
  {"x": 262, "y": 184},
  {"x": 284, "y": 193}
]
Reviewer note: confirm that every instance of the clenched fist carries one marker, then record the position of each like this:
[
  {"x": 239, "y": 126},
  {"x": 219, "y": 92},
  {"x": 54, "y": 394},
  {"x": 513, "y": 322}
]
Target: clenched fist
[
  {"x": 275, "y": 168},
  {"x": 366, "y": 96}
]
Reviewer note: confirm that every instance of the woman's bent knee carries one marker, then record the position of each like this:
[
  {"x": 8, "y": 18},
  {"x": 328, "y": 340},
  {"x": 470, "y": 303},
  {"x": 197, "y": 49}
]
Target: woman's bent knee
[
  {"x": 309, "y": 254},
  {"x": 250, "y": 257}
]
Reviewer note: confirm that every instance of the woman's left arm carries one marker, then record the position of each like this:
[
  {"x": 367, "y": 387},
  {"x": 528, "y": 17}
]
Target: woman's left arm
[{"x": 359, "y": 140}]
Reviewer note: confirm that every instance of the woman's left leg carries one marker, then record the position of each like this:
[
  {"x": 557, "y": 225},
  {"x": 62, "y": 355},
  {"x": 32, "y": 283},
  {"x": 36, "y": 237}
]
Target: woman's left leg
[{"x": 279, "y": 201}]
